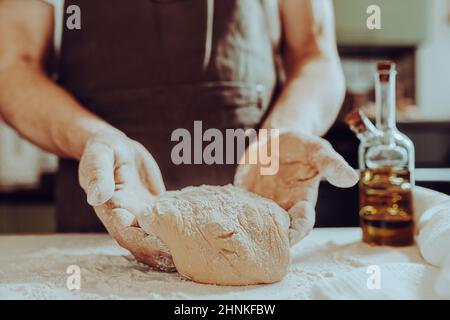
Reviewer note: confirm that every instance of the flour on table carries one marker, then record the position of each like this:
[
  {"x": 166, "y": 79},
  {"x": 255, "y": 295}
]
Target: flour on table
[
  {"x": 222, "y": 234},
  {"x": 34, "y": 267}
]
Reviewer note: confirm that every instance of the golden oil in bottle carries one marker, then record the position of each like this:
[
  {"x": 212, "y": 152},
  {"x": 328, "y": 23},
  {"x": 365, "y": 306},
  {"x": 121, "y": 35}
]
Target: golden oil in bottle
[
  {"x": 386, "y": 216},
  {"x": 386, "y": 162}
]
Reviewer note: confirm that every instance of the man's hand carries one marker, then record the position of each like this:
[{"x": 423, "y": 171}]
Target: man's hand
[
  {"x": 304, "y": 159},
  {"x": 121, "y": 179},
  {"x": 312, "y": 94}
]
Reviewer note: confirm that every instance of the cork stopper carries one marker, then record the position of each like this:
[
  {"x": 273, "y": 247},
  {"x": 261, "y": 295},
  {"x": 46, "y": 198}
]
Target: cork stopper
[
  {"x": 355, "y": 120},
  {"x": 385, "y": 66},
  {"x": 385, "y": 69}
]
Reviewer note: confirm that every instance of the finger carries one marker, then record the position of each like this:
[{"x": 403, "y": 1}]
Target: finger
[
  {"x": 303, "y": 217},
  {"x": 123, "y": 227},
  {"x": 244, "y": 176},
  {"x": 96, "y": 173},
  {"x": 335, "y": 169},
  {"x": 146, "y": 248},
  {"x": 151, "y": 171}
]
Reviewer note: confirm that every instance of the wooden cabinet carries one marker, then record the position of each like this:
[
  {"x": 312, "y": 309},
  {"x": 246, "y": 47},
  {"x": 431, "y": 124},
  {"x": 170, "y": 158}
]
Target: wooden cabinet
[{"x": 27, "y": 218}]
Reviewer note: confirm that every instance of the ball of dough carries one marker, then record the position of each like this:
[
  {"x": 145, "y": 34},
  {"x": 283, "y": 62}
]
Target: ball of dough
[{"x": 222, "y": 234}]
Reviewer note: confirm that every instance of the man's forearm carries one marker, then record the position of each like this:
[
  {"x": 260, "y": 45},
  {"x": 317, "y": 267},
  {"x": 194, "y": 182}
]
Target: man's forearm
[
  {"x": 44, "y": 113},
  {"x": 310, "y": 99}
]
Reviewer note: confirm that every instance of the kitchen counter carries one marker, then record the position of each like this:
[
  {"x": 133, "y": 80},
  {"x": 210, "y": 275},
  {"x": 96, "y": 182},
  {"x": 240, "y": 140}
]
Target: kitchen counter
[{"x": 34, "y": 267}]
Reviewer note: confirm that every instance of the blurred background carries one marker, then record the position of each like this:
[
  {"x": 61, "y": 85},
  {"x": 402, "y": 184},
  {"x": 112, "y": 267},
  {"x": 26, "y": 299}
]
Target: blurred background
[{"x": 415, "y": 34}]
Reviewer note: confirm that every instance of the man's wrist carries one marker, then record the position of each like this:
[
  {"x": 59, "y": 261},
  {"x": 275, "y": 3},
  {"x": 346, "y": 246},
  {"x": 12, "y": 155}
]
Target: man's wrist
[
  {"x": 289, "y": 123},
  {"x": 83, "y": 130}
]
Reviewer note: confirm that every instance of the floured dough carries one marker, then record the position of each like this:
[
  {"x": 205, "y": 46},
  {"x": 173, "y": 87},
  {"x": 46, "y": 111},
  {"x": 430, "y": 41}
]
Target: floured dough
[{"x": 222, "y": 235}]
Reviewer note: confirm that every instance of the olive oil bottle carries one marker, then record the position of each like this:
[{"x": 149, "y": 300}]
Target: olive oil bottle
[{"x": 386, "y": 161}]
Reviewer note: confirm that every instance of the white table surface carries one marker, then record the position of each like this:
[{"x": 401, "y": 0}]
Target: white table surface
[{"x": 34, "y": 267}]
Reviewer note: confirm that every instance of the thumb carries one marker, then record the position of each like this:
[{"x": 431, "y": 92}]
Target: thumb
[
  {"x": 303, "y": 217},
  {"x": 244, "y": 176},
  {"x": 152, "y": 173},
  {"x": 335, "y": 169},
  {"x": 96, "y": 172}
]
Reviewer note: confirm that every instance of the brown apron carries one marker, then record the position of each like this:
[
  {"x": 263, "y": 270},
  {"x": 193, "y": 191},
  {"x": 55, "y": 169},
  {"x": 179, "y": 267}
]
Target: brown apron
[{"x": 149, "y": 67}]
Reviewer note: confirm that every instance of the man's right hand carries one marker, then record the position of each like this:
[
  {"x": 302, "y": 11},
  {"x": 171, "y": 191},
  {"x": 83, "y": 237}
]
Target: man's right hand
[
  {"x": 121, "y": 179},
  {"x": 119, "y": 176}
]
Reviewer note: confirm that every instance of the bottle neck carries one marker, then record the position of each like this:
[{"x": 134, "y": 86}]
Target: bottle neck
[
  {"x": 385, "y": 100},
  {"x": 361, "y": 125}
]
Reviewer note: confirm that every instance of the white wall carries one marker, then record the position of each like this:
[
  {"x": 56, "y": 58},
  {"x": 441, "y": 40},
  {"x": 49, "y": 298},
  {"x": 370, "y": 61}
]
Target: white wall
[{"x": 433, "y": 63}]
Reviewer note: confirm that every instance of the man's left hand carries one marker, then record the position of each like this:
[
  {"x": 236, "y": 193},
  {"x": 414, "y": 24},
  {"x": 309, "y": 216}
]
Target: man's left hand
[{"x": 303, "y": 160}]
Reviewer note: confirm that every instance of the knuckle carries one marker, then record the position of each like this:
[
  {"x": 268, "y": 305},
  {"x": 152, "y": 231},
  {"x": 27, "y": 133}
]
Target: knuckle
[
  {"x": 325, "y": 143},
  {"x": 113, "y": 204},
  {"x": 121, "y": 240}
]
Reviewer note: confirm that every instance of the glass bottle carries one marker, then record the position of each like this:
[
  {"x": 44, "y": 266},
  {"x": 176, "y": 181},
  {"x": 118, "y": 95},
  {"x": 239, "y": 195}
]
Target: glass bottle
[{"x": 386, "y": 161}]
